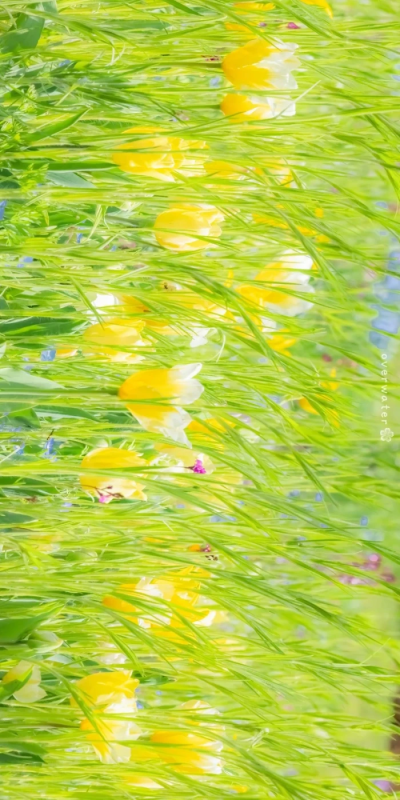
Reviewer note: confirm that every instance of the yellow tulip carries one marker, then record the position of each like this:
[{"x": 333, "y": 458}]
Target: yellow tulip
[
  {"x": 278, "y": 223},
  {"x": 280, "y": 342},
  {"x": 142, "y": 781},
  {"x": 332, "y": 414},
  {"x": 178, "y": 227},
  {"x": 171, "y": 388},
  {"x": 108, "y": 689},
  {"x": 31, "y": 690},
  {"x": 131, "y": 305},
  {"x": 111, "y": 487},
  {"x": 160, "y": 157},
  {"x": 180, "y": 590},
  {"x": 108, "y": 694},
  {"x": 107, "y": 337},
  {"x": 321, "y": 4},
  {"x": 187, "y": 752},
  {"x": 251, "y": 6},
  {"x": 198, "y": 426},
  {"x": 187, "y": 299},
  {"x": 261, "y": 65},
  {"x": 179, "y": 459},
  {"x": 106, "y": 736},
  {"x": 223, "y": 169},
  {"x": 243, "y": 109},
  {"x": 293, "y": 273},
  {"x": 245, "y": 8},
  {"x": 66, "y": 352}
]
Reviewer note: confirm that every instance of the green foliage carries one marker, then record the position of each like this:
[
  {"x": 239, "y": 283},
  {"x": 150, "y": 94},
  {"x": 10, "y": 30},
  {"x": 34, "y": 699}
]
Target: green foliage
[{"x": 304, "y": 666}]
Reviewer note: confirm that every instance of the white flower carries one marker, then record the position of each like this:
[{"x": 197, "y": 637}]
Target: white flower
[{"x": 31, "y": 691}]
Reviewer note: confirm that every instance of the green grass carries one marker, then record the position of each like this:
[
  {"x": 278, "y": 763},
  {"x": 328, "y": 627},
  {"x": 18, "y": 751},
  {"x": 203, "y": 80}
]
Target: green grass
[{"x": 304, "y": 669}]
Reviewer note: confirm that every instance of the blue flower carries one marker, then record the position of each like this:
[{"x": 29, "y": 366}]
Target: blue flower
[{"x": 48, "y": 355}]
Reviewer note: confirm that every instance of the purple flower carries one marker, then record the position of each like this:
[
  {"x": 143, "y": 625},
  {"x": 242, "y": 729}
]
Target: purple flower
[
  {"x": 198, "y": 467},
  {"x": 292, "y": 26}
]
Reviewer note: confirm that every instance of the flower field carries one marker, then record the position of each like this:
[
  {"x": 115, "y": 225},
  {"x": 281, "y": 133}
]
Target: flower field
[{"x": 199, "y": 399}]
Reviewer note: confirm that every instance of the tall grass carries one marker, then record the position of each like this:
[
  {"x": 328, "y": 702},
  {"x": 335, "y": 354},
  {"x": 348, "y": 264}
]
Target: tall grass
[{"x": 303, "y": 665}]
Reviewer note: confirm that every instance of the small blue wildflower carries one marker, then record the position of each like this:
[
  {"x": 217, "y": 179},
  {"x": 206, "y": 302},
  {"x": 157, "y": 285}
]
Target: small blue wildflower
[
  {"x": 319, "y": 497},
  {"x": 48, "y": 355},
  {"x": 50, "y": 448},
  {"x": 3, "y": 204},
  {"x": 25, "y": 260},
  {"x": 215, "y": 81},
  {"x": 364, "y": 521},
  {"x": 18, "y": 451}
]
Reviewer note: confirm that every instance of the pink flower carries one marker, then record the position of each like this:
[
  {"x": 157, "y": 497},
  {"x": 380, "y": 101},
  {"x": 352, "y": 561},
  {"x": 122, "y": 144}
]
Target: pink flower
[{"x": 198, "y": 467}]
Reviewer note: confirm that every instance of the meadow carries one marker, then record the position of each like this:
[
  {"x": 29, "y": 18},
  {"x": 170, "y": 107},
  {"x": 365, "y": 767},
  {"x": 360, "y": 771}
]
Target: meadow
[{"x": 199, "y": 399}]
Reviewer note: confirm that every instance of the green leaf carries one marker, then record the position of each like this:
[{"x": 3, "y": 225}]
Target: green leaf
[
  {"x": 13, "y": 758},
  {"x": 11, "y": 518},
  {"x": 25, "y": 417},
  {"x": 27, "y": 379},
  {"x": 50, "y": 6},
  {"x": 22, "y": 747},
  {"x": 55, "y": 127},
  {"x": 74, "y": 166},
  {"x": 65, "y": 411},
  {"x": 70, "y": 179},
  {"x": 14, "y": 630},
  {"x": 35, "y": 325},
  {"x": 24, "y": 36},
  {"x": 182, "y": 7}
]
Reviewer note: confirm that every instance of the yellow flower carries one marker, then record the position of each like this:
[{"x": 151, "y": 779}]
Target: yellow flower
[
  {"x": 115, "y": 333},
  {"x": 242, "y": 109},
  {"x": 291, "y": 273},
  {"x": 185, "y": 298},
  {"x": 106, "y": 736},
  {"x": 29, "y": 675},
  {"x": 179, "y": 459},
  {"x": 204, "y": 431},
  {"x": 251, "y": 6},
  {"x": 180, "y": 590},
  {"x": 187, "y": 752},
  {"x": 108, "y": 689},
  {"x": 331, "y": 413},
  {"x": 178, "y": 227},
  {"x": 142, "y": 781},
  {"x": 160, "y": 157},
  {"x": 131, "y": 305},
  {"x": 110, "y": 693},
  {"x": 66, "y": 352},
  {"x": 321, "y": 4},
  {"x": 278, "y": 223},
  {"x": 245, "y": 8},
  {"x": 261, "y": 65},
  {"x": 171, "y": 388},
  {"x": 107, "y": 488},
  {"x": 280, "y": 342},
  {"x": 223, "y": 169}
]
